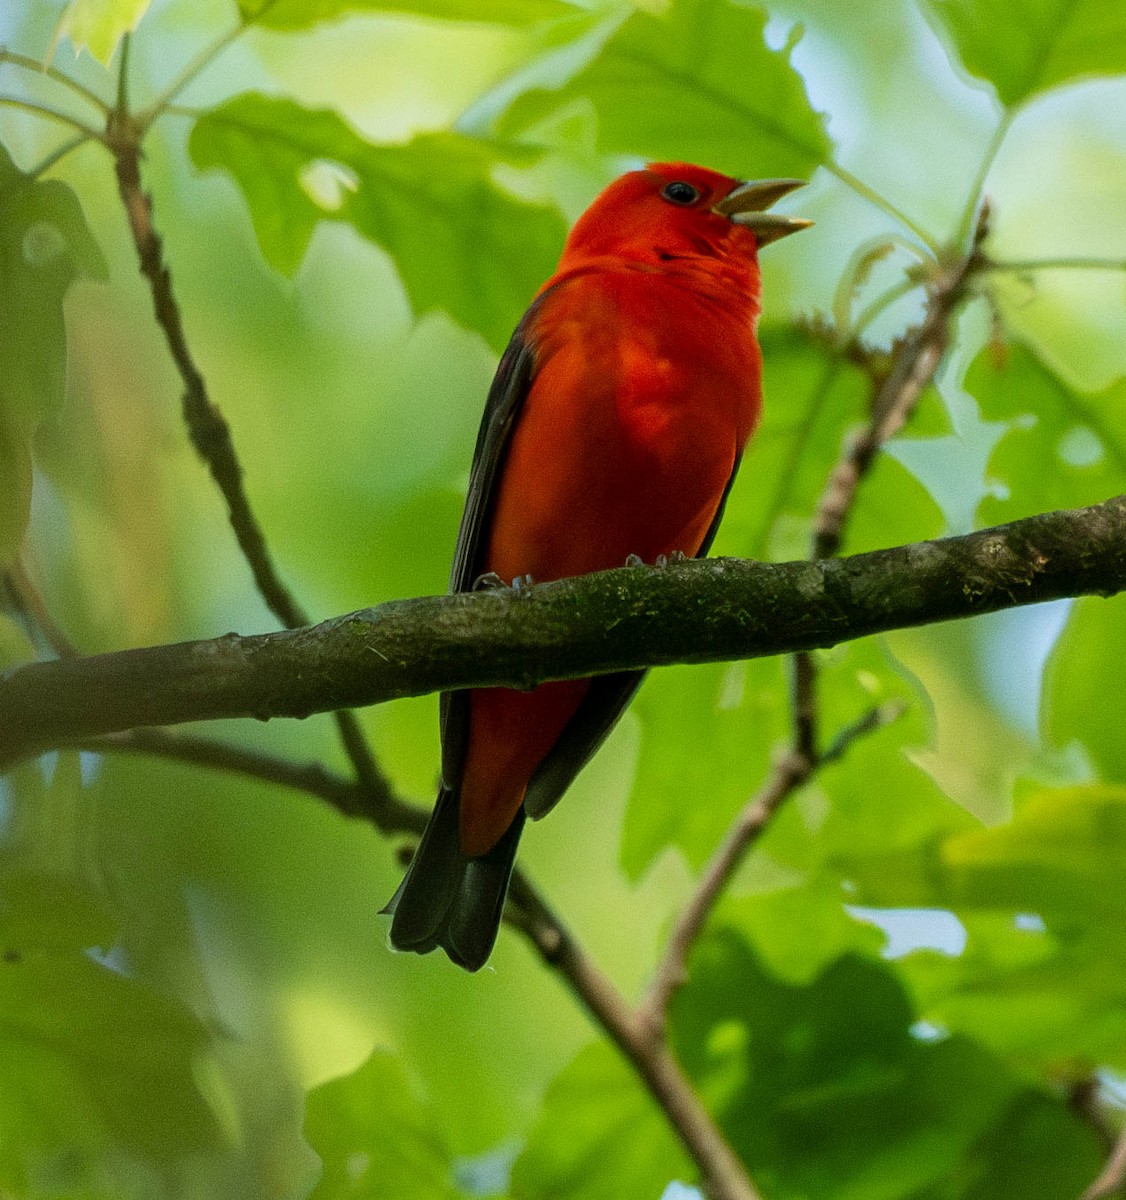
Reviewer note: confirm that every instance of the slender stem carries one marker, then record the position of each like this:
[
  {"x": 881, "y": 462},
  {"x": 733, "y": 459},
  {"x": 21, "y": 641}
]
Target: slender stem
[
  {"x": 194, "y": 68},
  {"x": 211, "y": 435},
  {"x": 57, "y": 155},
  {"x": 884, "y": 301},
  {"x": 32, "y": 64},
  {"x": 973, "y": 200},
  {"x": 347, "y": 796},
  {"x": 790, "y": 773},
  {"x": 882, "y": 202},
  {"x": 45, "y": 110},
  {"x": 35, "y": 608},
  {"x": 122, "y": 106},
  {"x": 1080, "y": 263},
  {"x": 914, "y": 367},
  {"x": 723, "y": 1176},
  {"x": 1112, "y": 1178}
]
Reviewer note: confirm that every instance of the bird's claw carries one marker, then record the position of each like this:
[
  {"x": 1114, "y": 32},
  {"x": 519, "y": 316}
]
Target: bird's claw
[
  {"x": 669, "y": 560},
  {"x": 522, "y": 585},
  {"x": 633, "y": 560},
  {"x": 489, "y": 582}
]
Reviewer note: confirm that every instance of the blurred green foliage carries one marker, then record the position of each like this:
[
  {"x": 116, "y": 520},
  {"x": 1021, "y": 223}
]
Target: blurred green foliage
[{"x": 196, "y": 999}]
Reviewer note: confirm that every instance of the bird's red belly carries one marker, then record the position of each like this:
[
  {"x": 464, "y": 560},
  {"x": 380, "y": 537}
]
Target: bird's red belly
[{"x": 646, "y": 479}]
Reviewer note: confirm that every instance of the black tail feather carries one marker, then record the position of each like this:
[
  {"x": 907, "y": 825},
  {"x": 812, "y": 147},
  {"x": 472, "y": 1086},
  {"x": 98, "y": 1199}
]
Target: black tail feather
[{"x": 449, "y": 900}]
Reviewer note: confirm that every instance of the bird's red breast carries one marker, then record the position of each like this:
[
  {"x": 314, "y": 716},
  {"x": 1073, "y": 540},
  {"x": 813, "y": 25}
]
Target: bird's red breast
[{"x": 644, "y": 391}]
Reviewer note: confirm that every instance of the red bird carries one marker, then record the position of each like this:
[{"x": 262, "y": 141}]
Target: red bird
[{"x": 614, "y": 427}]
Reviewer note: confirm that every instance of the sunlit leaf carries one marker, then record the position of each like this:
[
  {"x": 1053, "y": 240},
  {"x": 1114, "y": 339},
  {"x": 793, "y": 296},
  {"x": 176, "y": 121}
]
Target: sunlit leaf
[
  {"x": 1025, "y": 48},
  {"x": 706, "y": 737},
  {"x": 377, "y": 1139},
  {"x": 767, "y": 921},
  {"x": 98, "y": 25},
  {"x": 459, "y": 241},
  {"x": 300, "y": 14},
  {"x": 696, "y": 82},
  {"x": 1041, "y": 979},
  {"x": 599, "y": 1134},
  {"x": 1083, "y": 684},
  {"x": 1065, "y": 448}
]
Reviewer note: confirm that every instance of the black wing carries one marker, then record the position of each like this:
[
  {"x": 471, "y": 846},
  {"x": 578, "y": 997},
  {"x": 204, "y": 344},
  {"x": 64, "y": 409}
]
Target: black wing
[{"x": 506, "y": 396}]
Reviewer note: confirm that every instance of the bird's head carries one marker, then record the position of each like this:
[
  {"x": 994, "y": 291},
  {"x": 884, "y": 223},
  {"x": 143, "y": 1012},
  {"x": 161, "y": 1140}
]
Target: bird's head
[{"x": 672, "y": 211}]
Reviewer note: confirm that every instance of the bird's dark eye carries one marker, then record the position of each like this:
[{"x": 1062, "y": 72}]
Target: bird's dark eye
[{"x": 680, "y": 192}]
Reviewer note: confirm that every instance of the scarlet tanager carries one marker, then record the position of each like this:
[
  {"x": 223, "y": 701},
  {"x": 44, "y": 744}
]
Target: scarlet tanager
[{"x": 614, "y": 428}]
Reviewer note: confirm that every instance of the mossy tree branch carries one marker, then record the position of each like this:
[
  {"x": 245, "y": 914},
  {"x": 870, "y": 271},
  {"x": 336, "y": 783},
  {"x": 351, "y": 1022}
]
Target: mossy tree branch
[{"x": 631, "y": 617}]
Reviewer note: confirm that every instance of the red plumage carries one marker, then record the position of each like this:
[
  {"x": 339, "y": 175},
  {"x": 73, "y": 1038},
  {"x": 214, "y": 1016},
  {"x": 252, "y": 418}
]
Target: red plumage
[{"x": 614, "y": 427}]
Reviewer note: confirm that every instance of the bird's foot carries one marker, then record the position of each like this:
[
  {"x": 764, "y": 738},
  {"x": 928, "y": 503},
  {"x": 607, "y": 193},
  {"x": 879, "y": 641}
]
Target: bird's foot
[
  {"x": 670, "y": 560},
  {"x": 660, "y": 562},
  {"x": 492, "y": 582}
]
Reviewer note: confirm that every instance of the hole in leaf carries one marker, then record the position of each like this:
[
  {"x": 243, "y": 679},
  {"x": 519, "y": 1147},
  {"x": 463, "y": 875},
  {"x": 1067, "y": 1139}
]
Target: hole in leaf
[
  {"x": 1080, "y": 447},
  {"x": 327, "y": 183}
]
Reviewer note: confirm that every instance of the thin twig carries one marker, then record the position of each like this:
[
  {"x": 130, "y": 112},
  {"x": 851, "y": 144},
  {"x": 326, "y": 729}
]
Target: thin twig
[
  {"x": 58, "y": 154},
  {"x": 194, "y": 68},
  {"x": 882, "y": 202},
  {"x": 346, "y": 795},
  {"x": 790, "y": 772},
  {"x": 723, "y": 1176},
  {"x": 35, "y": 608},
  {"x": 914, "y": 366},
  {"x": 209, "y": 431},
  {"x": 52, "y": 72},
  {"x": 208, "y": 428},
  {"x": 1028, "y": 265},
  {"x": 1112, "y": 1178},
  {"x": 45, "y": 110},
  {"x": 974, "y": 199}
]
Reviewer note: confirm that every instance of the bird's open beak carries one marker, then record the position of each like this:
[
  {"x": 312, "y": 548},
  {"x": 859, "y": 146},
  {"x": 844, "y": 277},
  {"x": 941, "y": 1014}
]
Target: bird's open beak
[{"x": 746, "y": 205}]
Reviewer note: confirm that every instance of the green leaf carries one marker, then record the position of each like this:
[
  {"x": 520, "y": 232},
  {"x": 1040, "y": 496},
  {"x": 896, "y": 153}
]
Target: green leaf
[
  {"x": 599, "y": 1134},
  {"x": 706, "y": 736},
  {"x": 300, "y": 14},
  {"x": 119, "y": 1043},
  {"x": 1041, "y": 979},
  {"x": 459, "y": 241},
  {"x": 699, "y": 83},
  {"x": 84, "y": 1048},
  {"x": 1083, "y": 685},
  {"x": 98, "y": 25},
  {"x": 45, "y": 244},
  {"x": 825, "y": 1091},
  {"x": 376, "y": 1138},
  {"x": 1065, "y": 448},
  {"x": 1054, "y": 858},
  {"x": 1025, "y": 48},
  {"x": 767, "y": 921}
]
